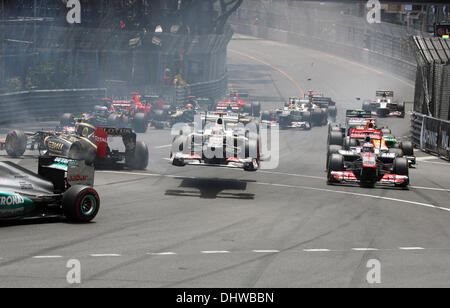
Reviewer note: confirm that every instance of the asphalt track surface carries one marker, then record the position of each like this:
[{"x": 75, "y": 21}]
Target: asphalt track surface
[{"x": 209, "y": 227}]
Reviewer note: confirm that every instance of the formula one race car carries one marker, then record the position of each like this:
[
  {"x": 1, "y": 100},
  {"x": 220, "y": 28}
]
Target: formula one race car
[
  {"x": 358, "y": 119},
  {"x": 323, "y": 102},
  {"x": 221, "y": 143},
  {"x": 238, "y": 103},
  {"x": 384, "y": 105},
  {"x": 290, "y": 116},
  {"x": 62, "y": 187},
  {"x": 168, "y": 115},
  {"x": 85, "y": 142},
  {"x": 132, "y": 113},
  {"x": 366, "y": 164}
]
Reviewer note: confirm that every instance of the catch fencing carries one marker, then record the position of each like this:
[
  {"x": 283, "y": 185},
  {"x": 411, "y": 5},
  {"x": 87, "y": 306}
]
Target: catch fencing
[
  {"x": 330, "y": 29},
  {"x": 432, "y": 91},
  {"x": 431, "y": 134}
]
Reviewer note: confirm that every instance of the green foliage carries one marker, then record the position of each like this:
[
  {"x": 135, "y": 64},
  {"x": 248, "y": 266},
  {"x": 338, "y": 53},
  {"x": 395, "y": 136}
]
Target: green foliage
[{"x": 14, "y": 84}]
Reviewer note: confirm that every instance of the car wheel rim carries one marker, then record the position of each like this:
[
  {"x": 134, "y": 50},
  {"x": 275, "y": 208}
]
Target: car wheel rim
[{"x": 88, "y": 205}]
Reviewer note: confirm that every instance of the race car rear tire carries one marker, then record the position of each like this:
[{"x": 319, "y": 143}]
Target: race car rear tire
[
  {"x": 140, "y": 123},
  {"x": 138, "y": 160},
  {"x": 407, "y": 148},
  {"x": 335, "y": 138},
  {"x": 15, "y": 143},
  {"x": 80, "y": 204},
  {"x": 66, "y": 119}
]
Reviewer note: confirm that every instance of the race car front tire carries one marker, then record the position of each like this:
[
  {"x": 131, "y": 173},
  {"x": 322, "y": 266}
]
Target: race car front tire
[
  {"x": 401, "y": 167},
  {"x": 80, "y": 204},
  {"x": 332, "y": 149},
  {"x": 16, "y": 143},
  {"x": 336, "y": 163}
]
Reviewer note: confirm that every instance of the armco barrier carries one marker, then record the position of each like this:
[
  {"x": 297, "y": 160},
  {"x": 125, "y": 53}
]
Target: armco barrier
[
  {"x": 431, "y": 134},
  {"x": 51, "y": 104},
  {"x": 46, "y": 104}
]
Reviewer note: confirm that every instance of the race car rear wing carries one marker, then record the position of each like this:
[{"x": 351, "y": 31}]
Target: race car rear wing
[
  {"x": 227, "y": 117},
  {"x": 363, "y": 133},
  {"x": 382, "y": 93},
  {"x": 63, "y": 172},
  {"x": 358, "y": 113}
]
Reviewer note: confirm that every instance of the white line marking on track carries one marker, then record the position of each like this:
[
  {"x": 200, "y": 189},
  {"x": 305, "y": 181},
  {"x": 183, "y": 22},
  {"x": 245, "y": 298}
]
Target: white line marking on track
[
  {"x": 411, "y": 248},
  {"x": 266, "y": 251},
  {"x": 365, "y": 249},
  {"x": 359, "y": 195},
  {"x": 317, "y": 250},
  {"x": 430, "y": 188},
  {"x": 303, "y": 187},
  {"x": 102, "y": 255},
  {"x": 47, "y": 257},
  {"x": 168, "y": 253},
  {"x": 215, "y": 251}
]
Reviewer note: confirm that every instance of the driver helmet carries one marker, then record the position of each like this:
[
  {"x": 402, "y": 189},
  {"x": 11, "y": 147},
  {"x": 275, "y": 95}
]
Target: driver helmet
[
  {"x": 190, "y": 106},
  {"x": 368, "y": 147}
]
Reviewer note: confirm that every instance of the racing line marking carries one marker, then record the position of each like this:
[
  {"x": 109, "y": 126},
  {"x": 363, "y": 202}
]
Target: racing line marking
[{"x": 47, "y": 257}]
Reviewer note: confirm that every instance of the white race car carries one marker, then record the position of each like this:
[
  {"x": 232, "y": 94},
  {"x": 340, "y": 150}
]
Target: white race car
[{"x": 222, "y": 142}]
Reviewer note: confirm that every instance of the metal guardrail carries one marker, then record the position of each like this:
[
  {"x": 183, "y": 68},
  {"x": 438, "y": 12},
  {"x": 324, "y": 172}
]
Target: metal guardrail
[
  {"x": 51, "y": 104},
  {"x": 430, "y": 134},
  {"x": 46, "y": 104}
]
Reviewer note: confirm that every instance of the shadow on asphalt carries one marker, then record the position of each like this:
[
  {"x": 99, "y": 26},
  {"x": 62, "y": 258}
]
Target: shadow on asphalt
[
  {"x": 207, "y": 188},
  {"x": 31, "y": 221}
]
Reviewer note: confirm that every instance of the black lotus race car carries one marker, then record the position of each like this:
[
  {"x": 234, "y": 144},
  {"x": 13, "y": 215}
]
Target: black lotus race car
[
  {"x": 61, "y": 188},
  {"x": 84, "y": 142}
]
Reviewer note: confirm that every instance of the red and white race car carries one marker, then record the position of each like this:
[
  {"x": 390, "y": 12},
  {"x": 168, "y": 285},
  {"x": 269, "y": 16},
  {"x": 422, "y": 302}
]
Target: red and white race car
[{"x": 365, "y": 164}]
